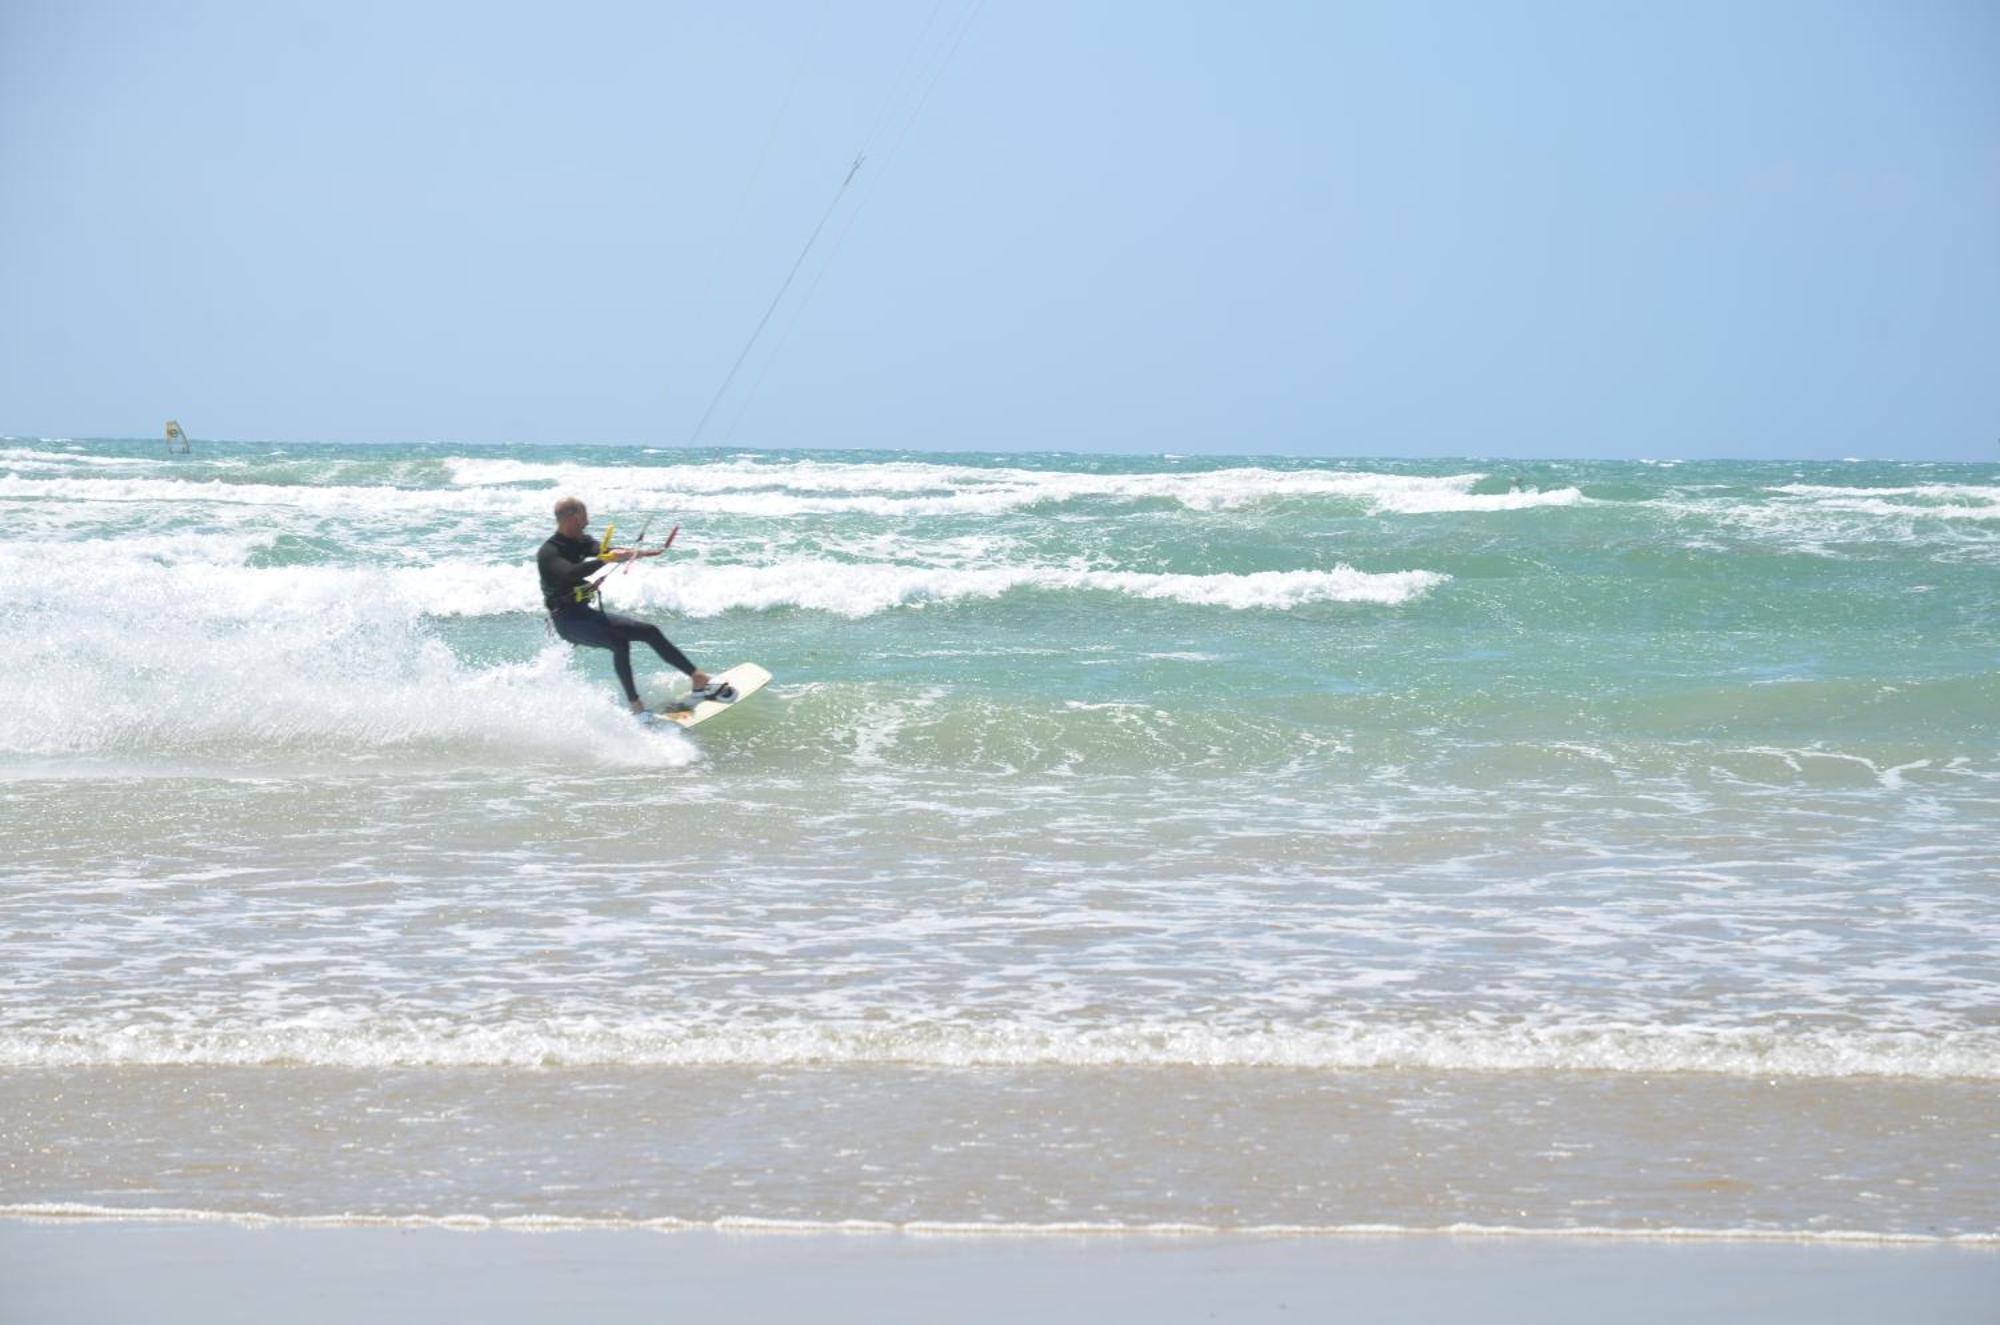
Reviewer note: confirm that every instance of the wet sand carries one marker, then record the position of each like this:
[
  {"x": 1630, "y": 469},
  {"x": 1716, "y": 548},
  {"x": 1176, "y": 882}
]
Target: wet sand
[
  {"x": 53, "y": 1272},
  {"x": 1233, "y": 1150}
]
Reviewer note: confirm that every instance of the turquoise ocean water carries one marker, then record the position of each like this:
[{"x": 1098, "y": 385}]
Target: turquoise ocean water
[{"x": 1124, "y": 841}]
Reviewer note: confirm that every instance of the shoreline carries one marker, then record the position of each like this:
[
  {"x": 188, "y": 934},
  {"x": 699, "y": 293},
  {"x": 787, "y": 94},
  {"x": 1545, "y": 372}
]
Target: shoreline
[
  {"x": 79, "y": 1214},
  {"x": 1038, "y": 1152},
  {"x": 56, "y": 1272}
]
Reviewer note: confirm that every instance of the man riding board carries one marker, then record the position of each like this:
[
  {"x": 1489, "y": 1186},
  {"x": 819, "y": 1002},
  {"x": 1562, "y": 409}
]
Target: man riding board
[{"x": 566, "y": 562}]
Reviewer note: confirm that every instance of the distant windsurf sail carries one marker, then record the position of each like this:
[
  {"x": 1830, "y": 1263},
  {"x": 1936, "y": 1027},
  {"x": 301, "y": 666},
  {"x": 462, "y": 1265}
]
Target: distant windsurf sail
[{"x": 176, "y": 439}]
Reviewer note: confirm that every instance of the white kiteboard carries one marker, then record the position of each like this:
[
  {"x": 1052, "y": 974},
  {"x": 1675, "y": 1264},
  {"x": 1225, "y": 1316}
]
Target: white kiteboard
[{"x": 725, "y": 691}]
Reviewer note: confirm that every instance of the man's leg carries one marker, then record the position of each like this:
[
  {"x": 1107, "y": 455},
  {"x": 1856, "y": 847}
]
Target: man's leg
[
  {"x": 621, "y": 662},
  {"x": 594, "y": 630},
  {"x": 632, "y": 629}
]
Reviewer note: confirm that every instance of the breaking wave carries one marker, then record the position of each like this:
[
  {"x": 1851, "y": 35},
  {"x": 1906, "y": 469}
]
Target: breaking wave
[
  {"x": 183, "y": 571},
  {"x": 338, "y": 1040},
  {"x": 805, "y": 488},
  {"x": 471, "y": 1221},
  {"x": 206, "y": 662}
]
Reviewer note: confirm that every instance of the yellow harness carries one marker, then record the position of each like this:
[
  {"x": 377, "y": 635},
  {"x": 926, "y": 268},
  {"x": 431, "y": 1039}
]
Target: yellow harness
[{"x": 583, "y": 593}]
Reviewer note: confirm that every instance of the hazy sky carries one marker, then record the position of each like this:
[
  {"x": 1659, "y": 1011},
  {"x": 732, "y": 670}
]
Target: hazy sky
[{"x": 1750, "y": 229}]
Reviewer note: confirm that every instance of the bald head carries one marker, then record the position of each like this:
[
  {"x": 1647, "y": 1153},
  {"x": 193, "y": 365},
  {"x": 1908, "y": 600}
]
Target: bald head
[{"x": 571, "y": 517}]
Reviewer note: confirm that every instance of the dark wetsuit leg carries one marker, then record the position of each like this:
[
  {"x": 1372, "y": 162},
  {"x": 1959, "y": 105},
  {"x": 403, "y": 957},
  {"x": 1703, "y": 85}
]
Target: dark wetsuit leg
[
  {"x": 595, "y": 629},
  {"x": 640, "y": 632}
]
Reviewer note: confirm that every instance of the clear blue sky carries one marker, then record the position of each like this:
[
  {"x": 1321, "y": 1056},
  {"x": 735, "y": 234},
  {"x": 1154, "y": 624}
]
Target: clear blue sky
[{"x": 1763, "y": 229}]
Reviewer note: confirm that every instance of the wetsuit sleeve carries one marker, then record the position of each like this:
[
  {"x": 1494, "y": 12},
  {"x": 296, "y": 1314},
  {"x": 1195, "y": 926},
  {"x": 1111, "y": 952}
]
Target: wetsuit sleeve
[{"x": 560, "y": 570}]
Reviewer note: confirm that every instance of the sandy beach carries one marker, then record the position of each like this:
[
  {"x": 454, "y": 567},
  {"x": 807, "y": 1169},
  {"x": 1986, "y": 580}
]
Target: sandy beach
[{"x": 56, "y": 1272}]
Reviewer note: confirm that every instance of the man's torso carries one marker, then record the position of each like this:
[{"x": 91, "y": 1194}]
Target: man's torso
[{"x": 558, "y": 561}]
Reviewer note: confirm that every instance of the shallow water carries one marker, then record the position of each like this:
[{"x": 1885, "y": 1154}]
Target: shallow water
[{"x": 1659, "y": 803}]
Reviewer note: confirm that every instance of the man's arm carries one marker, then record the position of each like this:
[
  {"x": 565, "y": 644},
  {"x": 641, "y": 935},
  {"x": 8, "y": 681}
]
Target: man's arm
[{"x": 565, "y": 572}]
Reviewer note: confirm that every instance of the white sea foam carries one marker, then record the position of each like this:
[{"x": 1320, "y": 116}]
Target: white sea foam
[
  {"x": 851, "y": 590},
  {"x": 203, "y": 580},
  {"x": 1421, "y": 501},
  {"x": 29, "y": 457},
  {"x": 469, "y": 1221},
  {"x": 736, "y": 476},
  {"x": 182, "y": 494},
  {"x": 260, "y": 699},
  {"x": 180, "y": 658},
  {"x": 1833, "y": 522},
  {"x": 356, "y": 1042},
  {"x": 1878, "y": 507},
  {"x": 1943, "y": 501},
  {"x": 778, "y": 490},
  {"x": 1981, "y": 492},
  {"x": 942, "y": 488}
]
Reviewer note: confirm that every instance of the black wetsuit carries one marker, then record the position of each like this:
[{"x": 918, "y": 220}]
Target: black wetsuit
[{"x": 566, "y": 565}]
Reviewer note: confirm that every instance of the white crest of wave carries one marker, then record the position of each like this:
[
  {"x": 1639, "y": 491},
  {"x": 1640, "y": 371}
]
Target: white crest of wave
[
  {"x": 353, "y": 1039},
  {"x": 1942, "y": 501},
  {"x": 921, "y": 488},
  {"x": 180, "y": 570},
  {"x": 86, "y": 1212},
  {"x": 28, "y": 457},
  {"x": 851, "y": 590},
  {"x": 777, "y": 491},
  {"x": 331, "y": 499},
  {"x": 1830, "y": 527},
  {"x": 1983, "y": 492},
  {"x": 1433, "y": 502}
]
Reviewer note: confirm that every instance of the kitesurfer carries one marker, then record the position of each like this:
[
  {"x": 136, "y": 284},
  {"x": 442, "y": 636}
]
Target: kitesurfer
[{"x": 566, "y": 562}]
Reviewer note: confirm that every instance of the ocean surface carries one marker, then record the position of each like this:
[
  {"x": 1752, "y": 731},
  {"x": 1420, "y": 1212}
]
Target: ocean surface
[{"x": 1124, "y": 842}]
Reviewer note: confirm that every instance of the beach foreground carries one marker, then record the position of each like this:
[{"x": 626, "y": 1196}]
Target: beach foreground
[{"x": 60, "y": 1271}]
